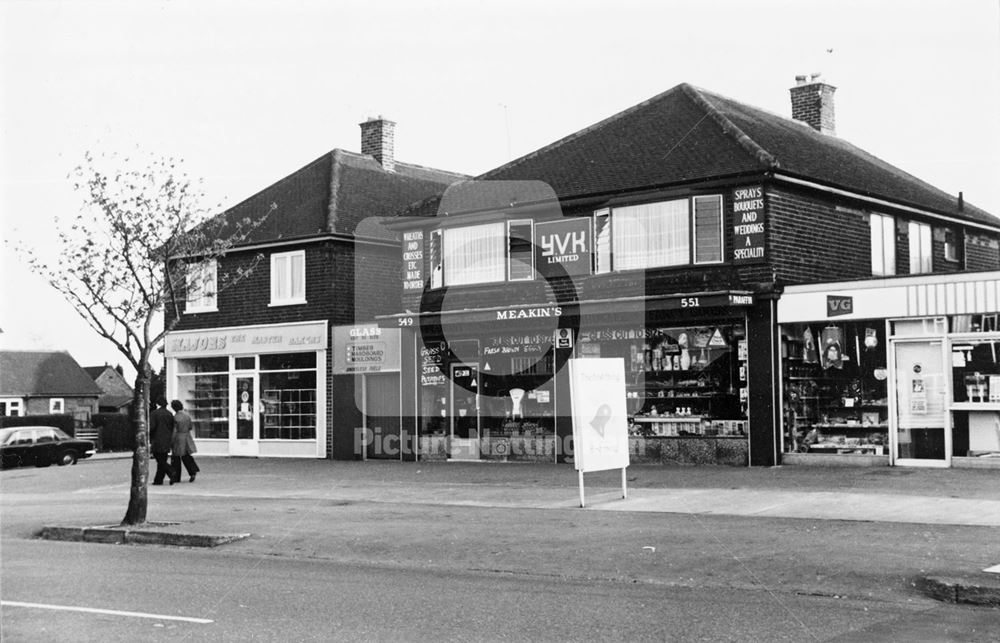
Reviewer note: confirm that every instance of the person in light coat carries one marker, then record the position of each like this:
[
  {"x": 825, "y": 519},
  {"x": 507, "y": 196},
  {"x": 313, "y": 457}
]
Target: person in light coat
[{"x": 183, "y": 444}]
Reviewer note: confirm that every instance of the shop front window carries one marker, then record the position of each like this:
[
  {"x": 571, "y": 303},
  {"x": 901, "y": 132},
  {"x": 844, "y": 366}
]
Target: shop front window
[
  {"x": 682, "y": 380},
  {"x": 835, "y": 390},
  {"x": 288, "y": 396},
  {"x": 975, "y": 366},
  {"x": 203, "y": 388}
]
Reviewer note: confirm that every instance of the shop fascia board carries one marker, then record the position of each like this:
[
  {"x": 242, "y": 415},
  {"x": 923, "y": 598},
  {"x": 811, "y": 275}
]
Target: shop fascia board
[
  {"x": 714, "y": 299},
  {"x": 895, "y": 298}
]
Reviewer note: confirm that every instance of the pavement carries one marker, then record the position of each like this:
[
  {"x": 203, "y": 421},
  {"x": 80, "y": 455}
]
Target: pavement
[{"x": 957, "y": 497}]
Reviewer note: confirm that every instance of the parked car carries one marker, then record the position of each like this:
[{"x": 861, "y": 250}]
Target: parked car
[{"x": 41, "y": 446}]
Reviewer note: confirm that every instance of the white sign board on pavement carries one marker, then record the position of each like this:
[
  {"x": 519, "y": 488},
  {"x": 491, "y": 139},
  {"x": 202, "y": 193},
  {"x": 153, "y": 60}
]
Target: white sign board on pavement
[{"x": 600, "y": 418}]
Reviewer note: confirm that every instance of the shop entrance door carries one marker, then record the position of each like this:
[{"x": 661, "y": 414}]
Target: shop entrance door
[
  {"x": 464, "y": 416},
  {"x": 921, "y": 437},
  {"x": 381, "y": 416},
  {"x": 245, "y": 435}
]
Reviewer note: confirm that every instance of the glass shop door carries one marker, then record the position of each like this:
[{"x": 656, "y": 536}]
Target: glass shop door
[
  {"x": 464, "y": 416},
  {"x": 244, "y": 435},
  {"x": 921, "y": 437}
]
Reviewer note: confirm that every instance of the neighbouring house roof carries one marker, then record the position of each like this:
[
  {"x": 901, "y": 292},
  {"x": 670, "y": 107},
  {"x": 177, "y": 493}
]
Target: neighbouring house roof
[
  {"x": 117, "y": 392},
  {"x": 336, "y": 192},
  {"x": 44, "y": 374},
  {"x": 687, "y": 134},
  {"x": 114, "y": 401},
  {"x": 95, "y": 371}
]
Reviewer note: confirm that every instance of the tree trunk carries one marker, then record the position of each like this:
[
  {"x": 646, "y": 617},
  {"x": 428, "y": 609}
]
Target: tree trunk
[{"x": 138, "y": 493}]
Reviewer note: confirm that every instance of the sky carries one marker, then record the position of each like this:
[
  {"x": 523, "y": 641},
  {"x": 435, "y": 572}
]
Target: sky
[{"x": 247, "y": 92}]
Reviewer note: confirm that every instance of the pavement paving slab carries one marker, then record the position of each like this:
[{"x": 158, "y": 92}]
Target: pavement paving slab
[{"x": 926, "y": 497}]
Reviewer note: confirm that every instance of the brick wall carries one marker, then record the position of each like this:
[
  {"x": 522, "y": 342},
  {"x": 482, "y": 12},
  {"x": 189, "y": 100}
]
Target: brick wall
[
  {"x": 812, "y": 104},
  {"x": 811, "y": 240},
  {"x": 982, "y": 252},
  {"x": 331, "y": 268}
]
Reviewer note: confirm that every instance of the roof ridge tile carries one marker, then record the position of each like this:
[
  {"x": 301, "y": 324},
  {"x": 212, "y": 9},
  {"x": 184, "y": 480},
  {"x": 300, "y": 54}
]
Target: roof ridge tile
[{"x": 729, "y": 128}]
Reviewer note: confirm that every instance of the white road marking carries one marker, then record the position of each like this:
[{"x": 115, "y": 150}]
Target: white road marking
[
  {"x": 993, "y": 570},
  {"x": 93, "y": 610}
]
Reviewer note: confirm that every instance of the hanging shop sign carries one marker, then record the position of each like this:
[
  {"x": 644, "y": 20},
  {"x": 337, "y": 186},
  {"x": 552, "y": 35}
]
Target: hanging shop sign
[
  {"x": 749, "y": 225},
  {"x": 413, "y": 260},
  {"x": 365, "y": 349},
  {"x": 565, "y": 243},
  {"x": 278, "y": 338}
]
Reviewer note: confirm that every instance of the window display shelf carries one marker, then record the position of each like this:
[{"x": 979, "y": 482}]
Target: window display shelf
[
  {"x": 827, "y": 447},
  {"x": 975, "y": 406}
]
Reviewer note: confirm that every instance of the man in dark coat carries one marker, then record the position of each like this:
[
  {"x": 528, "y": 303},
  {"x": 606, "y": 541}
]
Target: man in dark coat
[{"x": 161, "y": 431}]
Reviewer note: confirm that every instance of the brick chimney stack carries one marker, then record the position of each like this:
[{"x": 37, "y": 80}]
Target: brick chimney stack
[
  {"x": 812, "y": 103},
  {"x": 377, "y": 140}
]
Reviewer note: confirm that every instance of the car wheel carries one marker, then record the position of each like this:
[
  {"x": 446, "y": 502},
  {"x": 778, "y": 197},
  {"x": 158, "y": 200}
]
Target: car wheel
[{"x": 67, "y": 457}]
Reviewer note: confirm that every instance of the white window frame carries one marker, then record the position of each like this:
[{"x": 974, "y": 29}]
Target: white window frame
[
  {"x": 57, "y": 405},
  {"x": 287, "y": 278},
  {"x": 13, "y": 404},
  {"x": 436, "y": 244},
  {"x": 694, "y": 230},
  {"x": 603, "y": 261},
  {"x": 464, "y": 264},
  {"x": 531, "y": 257},
  {"x": 653, "y": 254},
  {"x": 206, "y": 273},
  {"x": 951, "y": 247},
  {"x": 921, "y": 248},
  {"x": 883, "y": 242}
]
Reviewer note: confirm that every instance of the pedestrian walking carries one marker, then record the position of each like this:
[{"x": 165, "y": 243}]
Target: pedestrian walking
[
  {"x": 183, "y": 444},
  {"x": 161, "y": 432}
]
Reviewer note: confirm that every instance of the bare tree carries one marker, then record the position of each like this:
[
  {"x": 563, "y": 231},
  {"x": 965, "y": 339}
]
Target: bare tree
[{"x": 142, "y": 241}]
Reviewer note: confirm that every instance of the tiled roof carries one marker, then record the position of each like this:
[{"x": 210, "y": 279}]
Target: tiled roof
[
  {"x": 115, "y": 401},
  {"x": 44, "y": 374},
  {"x": 95, "y": 371},
  {"x": 334, "y": 193},
  {"x": 687, "y": 134}
]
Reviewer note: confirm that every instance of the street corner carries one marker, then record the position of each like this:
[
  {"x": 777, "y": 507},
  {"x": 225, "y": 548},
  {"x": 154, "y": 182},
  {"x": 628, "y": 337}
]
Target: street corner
[
  {"x": 980, "y": 589},
  {"x": 170, "y": 534}
]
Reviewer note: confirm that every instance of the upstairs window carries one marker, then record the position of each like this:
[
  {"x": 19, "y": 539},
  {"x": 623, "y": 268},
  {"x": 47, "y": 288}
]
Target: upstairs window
[
  {"x": 707, "y": 229},
  {"x": 654, "y": 235},
  {"x": 202, "y": 286},
  {"x": 950, "y": 245},
  {"x": 651, "y": 235},
  {"x": 474, "y": 254},
  {"x": 602, "y": 241},
  {"x": 288, "y": 278},
  {"x": 883, "y": 235},
  {"x": 921, "y": 258},
  {"x": 520, "y": 250}
]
